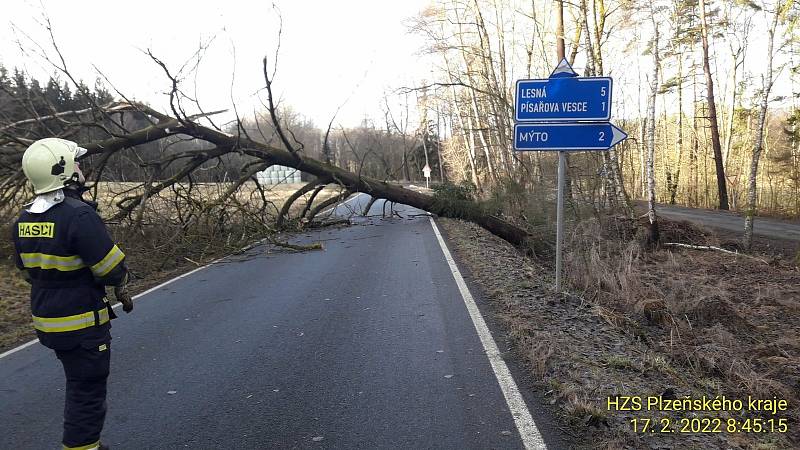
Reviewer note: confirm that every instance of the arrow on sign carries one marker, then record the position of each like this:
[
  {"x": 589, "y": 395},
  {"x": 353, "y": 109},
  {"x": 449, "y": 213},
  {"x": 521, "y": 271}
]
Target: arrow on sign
[{"x": 566, "y": 136}]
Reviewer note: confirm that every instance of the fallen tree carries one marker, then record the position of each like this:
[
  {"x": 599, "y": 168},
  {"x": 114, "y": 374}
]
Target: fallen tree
[
  {"x": 351, "y": 181},
  {"x": 164, "y": 126},
  {"x": 106, "y": 132}
]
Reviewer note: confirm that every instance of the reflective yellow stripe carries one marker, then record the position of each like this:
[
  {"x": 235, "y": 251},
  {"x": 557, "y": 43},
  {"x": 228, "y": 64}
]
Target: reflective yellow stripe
[
  {"x": 91, "y": 446},
  {"x": 45, "y": 261},
  {"x": 108, "y": 263},
  {"x": 69, "y": 323}
]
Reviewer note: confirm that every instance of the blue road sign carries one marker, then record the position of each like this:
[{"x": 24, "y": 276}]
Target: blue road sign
[
  {"x": 566, "y": 136},
  {"x": 567, "y": 99}
]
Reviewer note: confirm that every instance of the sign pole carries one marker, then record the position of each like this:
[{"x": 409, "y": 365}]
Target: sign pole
[
  {"x": 564, "y": 113},
  {"x": 562, "y": 158},
  {"x": 562, "y": 166}
]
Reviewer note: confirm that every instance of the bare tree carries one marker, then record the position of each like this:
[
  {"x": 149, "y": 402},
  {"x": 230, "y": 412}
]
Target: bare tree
[
  {"x": 767, "y": 80},
  {"x": 651, "y": 127},
  {"x": 722, "y": 188}
]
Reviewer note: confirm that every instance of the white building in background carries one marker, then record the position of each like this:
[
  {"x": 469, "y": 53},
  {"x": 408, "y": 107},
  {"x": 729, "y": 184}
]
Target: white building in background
[{"x": 280, "y": 175}]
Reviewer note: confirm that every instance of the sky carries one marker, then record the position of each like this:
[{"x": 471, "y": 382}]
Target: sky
[{"x": 346, "y": 53}]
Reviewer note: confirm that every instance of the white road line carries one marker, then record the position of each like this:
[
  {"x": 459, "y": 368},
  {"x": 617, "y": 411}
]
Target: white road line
[
  {"x": 530, "y": 435},
  {"x": 14, "y": 350},
  {"x": 28, "y": 344}
]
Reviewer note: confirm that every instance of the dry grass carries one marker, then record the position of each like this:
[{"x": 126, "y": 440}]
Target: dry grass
[
  {"x": 15, "y": 319},
  {"x": 584, "y": 412},
  {"x": 645, "y": 323},
  {"x": 713, "y": 316},
  {"x": 168, "y": 203}
]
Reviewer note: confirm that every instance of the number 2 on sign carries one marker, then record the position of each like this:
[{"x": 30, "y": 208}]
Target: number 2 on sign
[{"x": 602, "y": 136}]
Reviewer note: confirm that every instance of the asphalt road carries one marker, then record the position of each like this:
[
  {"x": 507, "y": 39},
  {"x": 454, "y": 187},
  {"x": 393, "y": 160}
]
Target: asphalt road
[
  {"x": 771, "y": 228},
  {"x": 367, "y": 344}
]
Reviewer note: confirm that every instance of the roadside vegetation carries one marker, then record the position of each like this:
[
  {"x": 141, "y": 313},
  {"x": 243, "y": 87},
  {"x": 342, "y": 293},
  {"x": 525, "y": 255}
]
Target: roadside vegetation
[
  {"x": 641, "y": 319},
  {"x": 640, "y": 322}
]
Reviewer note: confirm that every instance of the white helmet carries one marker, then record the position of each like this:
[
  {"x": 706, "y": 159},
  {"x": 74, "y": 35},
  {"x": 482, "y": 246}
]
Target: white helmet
[{"x": 49, "y": 164}]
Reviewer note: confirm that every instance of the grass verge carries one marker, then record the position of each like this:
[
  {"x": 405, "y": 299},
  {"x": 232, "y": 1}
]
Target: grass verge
[{"x": 664, "y": 324}]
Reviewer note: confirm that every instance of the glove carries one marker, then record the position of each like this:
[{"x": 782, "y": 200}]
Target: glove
[
  {"x": 26, "y": 276},
  {"x": 122, "y": 295}
]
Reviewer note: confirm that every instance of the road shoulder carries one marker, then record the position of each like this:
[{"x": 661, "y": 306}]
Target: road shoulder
[{"x": 544, "y": 412}]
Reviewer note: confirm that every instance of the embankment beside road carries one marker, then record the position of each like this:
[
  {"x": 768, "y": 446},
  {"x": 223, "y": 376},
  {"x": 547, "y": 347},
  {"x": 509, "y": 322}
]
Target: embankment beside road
[{"x": 664, "y": 324}]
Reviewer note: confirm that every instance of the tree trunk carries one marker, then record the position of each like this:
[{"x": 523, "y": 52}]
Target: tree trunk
[
  {"x": 561, "y": 54},
  {"x": 731, "y": 112},
  {"x": 590, "y": 57},
  {"x": 673, "y": 188},
  {"x": 759, "y": 140},
  {"x": 406, "y": 170},
  {"x": 642, "y": 145},
  {"x": 479, "y": 129},
  {"x": 439, "y": 145},
  {"x": 600, "y": 21},
  {"x": 466, "y": 53},
  {"x": 497, "y": 100},
  {"x": 469, "y": 140},
  {"x": 651, "y": 142},
  {"x": 712, "y": 111},
  {"x": 695, "y": 150}
]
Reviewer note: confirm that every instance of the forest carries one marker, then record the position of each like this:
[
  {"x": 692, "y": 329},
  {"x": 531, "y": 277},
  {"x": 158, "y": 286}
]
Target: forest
[{"x": 707, "y": 91}]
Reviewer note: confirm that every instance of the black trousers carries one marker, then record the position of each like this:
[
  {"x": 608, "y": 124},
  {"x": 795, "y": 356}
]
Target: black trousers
[{"x": 86, "y": 368}]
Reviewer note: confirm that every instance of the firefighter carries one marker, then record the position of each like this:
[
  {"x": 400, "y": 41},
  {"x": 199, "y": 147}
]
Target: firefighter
[{"x": 65, "y": 253}]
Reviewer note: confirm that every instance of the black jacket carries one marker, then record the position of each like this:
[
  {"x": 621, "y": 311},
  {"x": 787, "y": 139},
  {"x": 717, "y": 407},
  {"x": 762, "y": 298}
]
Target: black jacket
[{"x": 69, "y": 258}]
